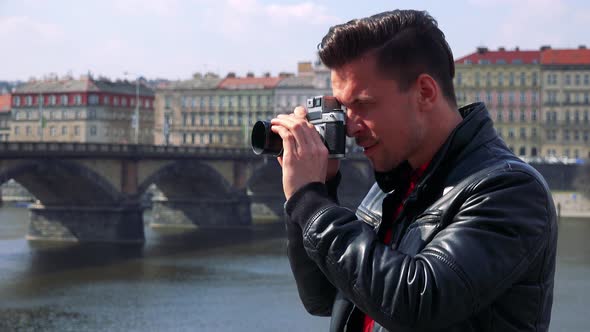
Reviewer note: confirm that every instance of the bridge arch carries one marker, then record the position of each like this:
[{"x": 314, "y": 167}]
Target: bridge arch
[
  {"x": 185, "y": 178},
  {"x": 60, "y": 182}
]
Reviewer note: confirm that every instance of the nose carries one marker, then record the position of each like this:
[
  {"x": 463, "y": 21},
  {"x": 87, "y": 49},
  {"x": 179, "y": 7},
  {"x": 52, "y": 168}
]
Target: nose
[{"x": 353, "y": 124}]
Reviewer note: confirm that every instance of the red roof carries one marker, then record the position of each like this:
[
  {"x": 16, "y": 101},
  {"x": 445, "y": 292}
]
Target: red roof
[
  {"x": 243, "y": 83},
  {"x": 565, "y": 57},
  {"x": 5, "y": 103},
  {"x": 485, "y": 56}
]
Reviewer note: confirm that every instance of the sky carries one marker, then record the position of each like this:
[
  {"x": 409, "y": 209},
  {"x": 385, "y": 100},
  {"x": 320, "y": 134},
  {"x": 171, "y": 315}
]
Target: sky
[{"x": 172, "y": 39}]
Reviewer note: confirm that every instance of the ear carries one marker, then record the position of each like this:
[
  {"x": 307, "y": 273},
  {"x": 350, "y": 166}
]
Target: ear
[{"x": 428, "y": 91}]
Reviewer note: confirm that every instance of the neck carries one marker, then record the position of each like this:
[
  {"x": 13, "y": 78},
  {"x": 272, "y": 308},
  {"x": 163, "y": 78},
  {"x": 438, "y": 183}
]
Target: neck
[{"x": 436, "y": 132}]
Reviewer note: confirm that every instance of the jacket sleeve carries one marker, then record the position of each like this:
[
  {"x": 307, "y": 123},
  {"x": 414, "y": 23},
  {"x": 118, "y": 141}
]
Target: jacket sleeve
[
  {"x": 496, "y": 227},
  {"x": 315, "y": 290}
]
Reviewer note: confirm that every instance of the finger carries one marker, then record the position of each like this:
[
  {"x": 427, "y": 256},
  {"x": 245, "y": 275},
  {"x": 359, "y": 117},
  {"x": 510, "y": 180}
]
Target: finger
[
  {"x": 289, "y": 141},
  {"x": 300, "y": 112},
  {"x": 298, "y": 127},
  {"x": 280, "y": 160}
]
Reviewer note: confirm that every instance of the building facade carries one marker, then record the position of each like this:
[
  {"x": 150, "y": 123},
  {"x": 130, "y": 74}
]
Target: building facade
[
  {"x": 509, "y": 83},
  {"x": 212, "y": 111},
  {"x": 5, "y": 107},
  {"x": 85, "y": 110},
  {"x": 566, "y": 102},
  {"x": 208, "y": 111}
]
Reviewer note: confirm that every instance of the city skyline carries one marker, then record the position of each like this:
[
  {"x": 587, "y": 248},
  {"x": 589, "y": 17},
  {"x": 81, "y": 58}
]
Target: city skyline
[{"x": 176, "y": 38}]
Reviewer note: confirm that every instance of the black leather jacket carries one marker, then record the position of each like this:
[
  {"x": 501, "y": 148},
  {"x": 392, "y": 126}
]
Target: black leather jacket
[{"x": 473, "y": 249}]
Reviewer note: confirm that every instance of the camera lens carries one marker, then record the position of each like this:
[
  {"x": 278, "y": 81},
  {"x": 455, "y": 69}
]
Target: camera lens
[{"x": 264, "y": 141}]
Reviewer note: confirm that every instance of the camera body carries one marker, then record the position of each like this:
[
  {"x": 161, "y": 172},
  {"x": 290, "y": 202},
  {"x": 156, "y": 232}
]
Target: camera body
[{"x": 328, "y": 118}]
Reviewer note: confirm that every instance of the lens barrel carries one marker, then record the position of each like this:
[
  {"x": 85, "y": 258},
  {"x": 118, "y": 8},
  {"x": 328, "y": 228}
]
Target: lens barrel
[{"x": 264, "y": 141}]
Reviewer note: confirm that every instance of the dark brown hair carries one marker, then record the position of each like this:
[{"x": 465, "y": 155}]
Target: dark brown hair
[{"x": 406, "y": 43}]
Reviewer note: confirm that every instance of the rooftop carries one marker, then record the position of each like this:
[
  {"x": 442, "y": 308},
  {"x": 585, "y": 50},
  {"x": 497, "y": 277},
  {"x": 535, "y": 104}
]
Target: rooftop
[
  {"x": 502, "y": 56},
  {"x": 82, "y": 85},
  {"x": 249, "y": 83},
  {"x": 580, "y": 56}
]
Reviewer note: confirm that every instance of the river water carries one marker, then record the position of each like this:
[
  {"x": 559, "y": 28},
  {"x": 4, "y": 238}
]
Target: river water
[{"x": 197, "y": 281}]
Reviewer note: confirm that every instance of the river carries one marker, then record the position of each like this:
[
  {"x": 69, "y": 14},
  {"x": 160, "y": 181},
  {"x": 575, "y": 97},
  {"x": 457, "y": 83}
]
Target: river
[{"x": 197, "y": 281}]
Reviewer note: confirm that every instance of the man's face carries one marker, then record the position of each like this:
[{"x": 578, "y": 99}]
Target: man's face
[{"x": 382, "y": 119}]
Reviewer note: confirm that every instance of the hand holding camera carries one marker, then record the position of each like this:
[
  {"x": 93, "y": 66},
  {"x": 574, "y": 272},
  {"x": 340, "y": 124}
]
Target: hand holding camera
[{"x": 303, "y": 141}]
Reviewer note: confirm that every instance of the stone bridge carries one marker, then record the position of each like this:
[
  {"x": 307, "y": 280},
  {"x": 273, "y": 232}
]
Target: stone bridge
[{"x": 92, "y": 192}]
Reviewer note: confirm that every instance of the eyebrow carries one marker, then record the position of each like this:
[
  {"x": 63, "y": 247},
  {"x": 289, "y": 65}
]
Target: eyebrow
[{"x": 359, "y": 99}]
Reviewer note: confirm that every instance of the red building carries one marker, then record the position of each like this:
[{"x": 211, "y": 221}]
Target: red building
[{"x": 85, "y": 110}]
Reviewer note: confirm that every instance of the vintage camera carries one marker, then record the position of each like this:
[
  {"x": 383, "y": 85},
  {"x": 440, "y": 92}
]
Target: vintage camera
[{"x": 324, "y": 112}]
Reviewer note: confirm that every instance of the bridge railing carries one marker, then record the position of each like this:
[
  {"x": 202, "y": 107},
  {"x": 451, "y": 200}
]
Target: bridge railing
[{"x": 78, "y": 150}]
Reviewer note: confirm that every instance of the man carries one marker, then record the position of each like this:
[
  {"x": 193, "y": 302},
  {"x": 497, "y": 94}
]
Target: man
[{"x": 457, "y": 234}]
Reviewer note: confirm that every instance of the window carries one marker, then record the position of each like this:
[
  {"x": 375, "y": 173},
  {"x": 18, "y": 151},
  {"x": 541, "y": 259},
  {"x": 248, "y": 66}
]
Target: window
[
  {"x": 522, "y": 151},
  {"x": 115, "y": 101},
  {"x": 64, "y": 130},
  {"x": 522, "y": 116},
  {"x": 184, "y": 138},
  {"x": 511, "y": 132},
  {"x": 92, "y": 130},
  {"x": 522, "y": 78},
  {"x": 511, "y": 115},
  {"x": 511, "y": 79},
  {"x": 566, "y": 79},
  {"x": 52, "y": 100},
  {"x": 576, "y": 135},
  {"x": 123, "y": 101},
  {"x": 16, "y": 130},
  {"x": 76, "y": 130},
  {"x": 500, "y": 79},
  {"x": 534, "y": 132},
  {"x": 534, "y": 79},
  {"x": 500, "y": 98},
  {"x": 566, "y": 135},
  {"x": 29, "y": 100},
  {"x": 63, "y": 99},
  {"x": 106, "y": 100},
  {"x": 93, "y": 99},
  {"x": 52, "y": 131},
  {"x": 28, "y": 130},
  {"x": 78, "y": 100},
  {"x": 522, "y": 97},
  {"x": 522, "y": 132},
  {"x": 577, "y": 79}
]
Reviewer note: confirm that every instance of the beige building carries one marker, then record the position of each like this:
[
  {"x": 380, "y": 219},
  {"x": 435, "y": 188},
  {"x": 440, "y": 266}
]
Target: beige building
[
  {"x": 85, "y": 110},
  {"x": 566, "y": 103},
  {"x": 209, "y": 111},
  {"x": 509, "y": 83}
]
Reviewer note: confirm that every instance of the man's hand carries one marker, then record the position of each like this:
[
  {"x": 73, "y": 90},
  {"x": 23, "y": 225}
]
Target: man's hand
[{"x": 305, "y": 157}]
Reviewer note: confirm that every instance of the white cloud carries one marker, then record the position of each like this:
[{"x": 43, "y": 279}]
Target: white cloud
[
  {"x": 306, "y": 12},
  {"x": 26, "y": 29},
  {"x": 168, "y": 8}
]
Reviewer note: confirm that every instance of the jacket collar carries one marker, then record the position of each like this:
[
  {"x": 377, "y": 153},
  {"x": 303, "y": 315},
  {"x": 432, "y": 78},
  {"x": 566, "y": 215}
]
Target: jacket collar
[{"x": 475, "y": 129}]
